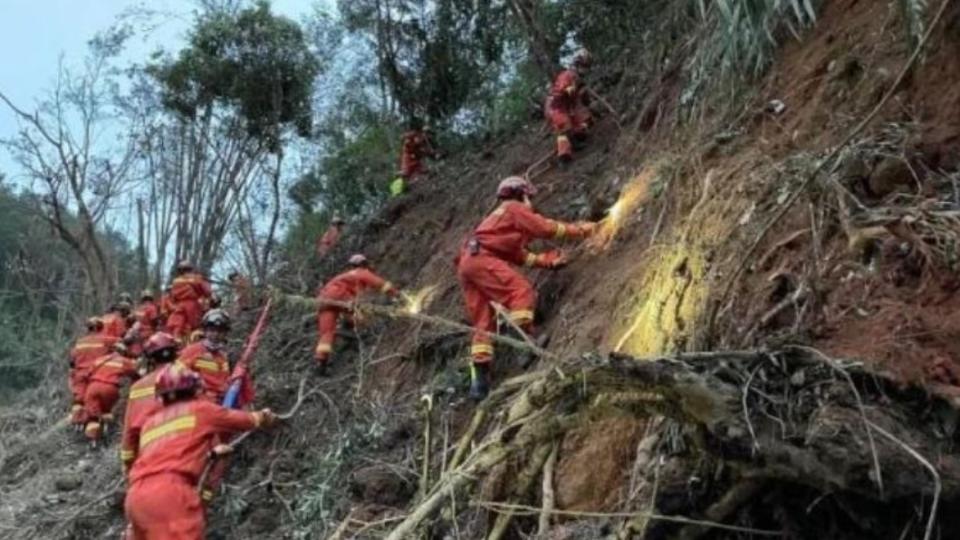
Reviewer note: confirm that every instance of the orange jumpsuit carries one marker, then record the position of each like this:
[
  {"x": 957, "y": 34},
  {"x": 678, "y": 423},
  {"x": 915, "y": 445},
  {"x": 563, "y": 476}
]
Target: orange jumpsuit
[
  {"x": 344, "y": 287},
  {"x": 103, "y": 391},
  {"x": 82, "y": 357},
  {"x": 486, "y": 272},
  {"x": 162, "y": 501},
  {"x": 328, "y": 240},
  {"x": 148, "y": 315},
  {"x": 190, "y": 293},
  {"x": 567, "y": 110},
  {"x": 415, "y": 146},
  {"x": 114, "y": 324},
  {"x": 141, "y": 403},
  {"x": 211, "y": 363}
]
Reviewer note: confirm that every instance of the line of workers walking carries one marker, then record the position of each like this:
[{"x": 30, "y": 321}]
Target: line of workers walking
[{"x": 175, "y": 422}]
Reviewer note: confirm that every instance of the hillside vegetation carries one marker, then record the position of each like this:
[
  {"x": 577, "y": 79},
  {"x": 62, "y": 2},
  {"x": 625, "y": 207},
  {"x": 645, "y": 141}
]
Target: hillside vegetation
[{"x": 762, "y": 341}]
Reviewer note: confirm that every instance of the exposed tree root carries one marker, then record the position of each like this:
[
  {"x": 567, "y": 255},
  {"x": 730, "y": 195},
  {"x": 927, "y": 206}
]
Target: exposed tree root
[{"x": 795, "y": 424}]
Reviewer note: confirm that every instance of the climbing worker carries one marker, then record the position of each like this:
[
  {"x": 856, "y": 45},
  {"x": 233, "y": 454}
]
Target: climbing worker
[
  {"x": 208, "y": 356},
  {"x": 567, "y": 106},
  {"x": 191, "y": 294},
  {"x": 115, "y": 320},
  {"x": 415, "y": 147},
  {"x": 146, "y": 320},
  {"x": 160, "y": 350},
  {"x": 330, "y": 238},
  {"x": 486, "y": 273},
  {"x": 103, "y": 390},
  {"x": 175, "y": 443},
  {"x": 344, "y": 287},
  {"x": 83, "y": 355},
  {"x": 147, "y": 314}
]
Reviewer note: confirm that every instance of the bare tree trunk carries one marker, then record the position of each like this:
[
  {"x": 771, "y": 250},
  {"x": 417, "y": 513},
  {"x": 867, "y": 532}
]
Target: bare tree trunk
[
  {"x": 142, "y": 270},
  {"x": 540, "y": 47}
]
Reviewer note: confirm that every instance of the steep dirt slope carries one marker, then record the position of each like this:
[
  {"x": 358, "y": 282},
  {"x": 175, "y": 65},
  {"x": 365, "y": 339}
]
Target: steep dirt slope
[{"x": 860, "y": 267}]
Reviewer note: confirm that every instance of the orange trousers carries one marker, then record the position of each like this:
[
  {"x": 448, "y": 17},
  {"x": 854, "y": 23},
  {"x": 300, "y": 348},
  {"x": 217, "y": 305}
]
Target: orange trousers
[
  {"x": 78, "y": 387},
  {"x": 567, "y": 122},
  {"x": 485, "y": 279},
  {"x": 327, "y": 319},
  {"x": 98, "y": 407},
  {"x": 410, "y": 166},
  {"x": 185, "y": 319},
  {"x": 164, "y": 507}
]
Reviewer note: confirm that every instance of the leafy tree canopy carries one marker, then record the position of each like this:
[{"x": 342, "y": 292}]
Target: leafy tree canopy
[{"x": 251, "y": 60}]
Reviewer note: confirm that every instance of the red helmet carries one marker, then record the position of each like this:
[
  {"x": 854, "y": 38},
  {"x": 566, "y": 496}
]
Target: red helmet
[
  {"x": 515, "y": 186},
  {"x": 94, "y": 324},
  {"x": 358, "y": 259},
  {"x": 177, "y": 378},
  {"x": 161, "y": 346}
]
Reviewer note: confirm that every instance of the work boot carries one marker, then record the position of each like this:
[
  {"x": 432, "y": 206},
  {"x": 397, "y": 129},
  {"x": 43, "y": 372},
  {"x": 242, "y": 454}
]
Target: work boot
[
  {"x": 321, "y": 368},
  {"x": 479, "y": 381}
]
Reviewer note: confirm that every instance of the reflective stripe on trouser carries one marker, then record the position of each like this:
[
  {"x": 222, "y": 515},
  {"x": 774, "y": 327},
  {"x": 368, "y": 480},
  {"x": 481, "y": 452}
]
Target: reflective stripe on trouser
[
  {"x": 165, "y": 507},
  {"x": 327, "y": 330},
  {"x": 564, "y": 148},
  {"x": 485, "y": 279}
]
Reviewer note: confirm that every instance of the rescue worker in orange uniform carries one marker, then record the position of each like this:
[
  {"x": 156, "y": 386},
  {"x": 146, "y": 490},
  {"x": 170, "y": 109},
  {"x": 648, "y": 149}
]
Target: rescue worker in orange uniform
[
  {"x": 208, "y": 355},
  {"x": 175, "y": 443},
  {"x": 344, "y": 287},
  {"x": 415, "y": 147},
  {"x": 115, "y": 321},
  {"x": 331, "y": 237},
  {"x": 160, "y": 350},
  {"x": 103, "y": 390},
  {"x": 485, "y": 267},
  {"x": 568, "y": 105},
  {"x": 83, "y": 355},
  {"x": 242, "y": 292},
  {"x": 147, "y": 320},
  {"x": 191, "y": 295}
]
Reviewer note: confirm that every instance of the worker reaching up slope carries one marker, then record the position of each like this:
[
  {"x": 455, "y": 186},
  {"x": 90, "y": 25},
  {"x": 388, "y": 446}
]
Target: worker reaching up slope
[
  {"x": 83, "y": 355},
  {"x": 103, "y": 389},
  {"x": 345, "y": 287},
  {"x": 175, "y": 443},
  {"x": 567, "y": 107},
  {"x": 191, "y": 294},
  {"x": 485, "y": 267},
  {"x": 208, "y": 357},
  {"x": 415, "y": 147},
  {"x": 159, "y": 350}
]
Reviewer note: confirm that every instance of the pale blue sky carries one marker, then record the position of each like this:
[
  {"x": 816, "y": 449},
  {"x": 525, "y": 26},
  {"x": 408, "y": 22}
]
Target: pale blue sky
[{"x": 34, "y": 34}]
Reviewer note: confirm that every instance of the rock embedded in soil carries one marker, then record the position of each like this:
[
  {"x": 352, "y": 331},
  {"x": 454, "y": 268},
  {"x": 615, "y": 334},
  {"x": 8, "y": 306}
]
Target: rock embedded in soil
[
  {"x": 380, "y": 484},
  {"x": 67, "y": 483}
]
